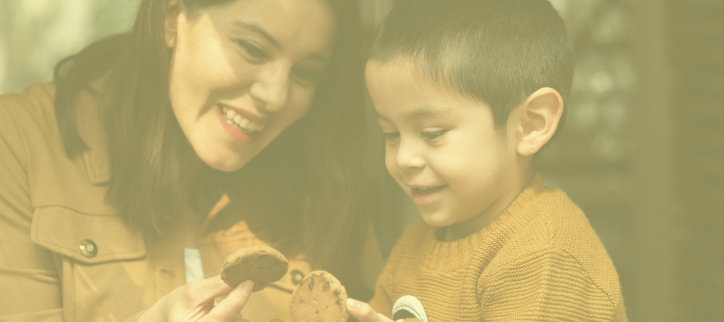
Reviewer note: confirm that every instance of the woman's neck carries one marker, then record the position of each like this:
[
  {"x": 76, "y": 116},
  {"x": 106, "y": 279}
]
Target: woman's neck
[{"x": 198, "y": 195}]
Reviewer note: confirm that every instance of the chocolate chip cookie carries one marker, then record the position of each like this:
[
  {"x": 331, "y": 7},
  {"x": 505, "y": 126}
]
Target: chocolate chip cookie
[
  {"x": 320, "y": 297},
  {"x": 261, "y": 264}
]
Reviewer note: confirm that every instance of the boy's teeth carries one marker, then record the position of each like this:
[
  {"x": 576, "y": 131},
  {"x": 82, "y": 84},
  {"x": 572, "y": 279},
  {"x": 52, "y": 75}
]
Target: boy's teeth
[
  {"x": 426, "y": 190},
  {"x": 239, "y": 121}
]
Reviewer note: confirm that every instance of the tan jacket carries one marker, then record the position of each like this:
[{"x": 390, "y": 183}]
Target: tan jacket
[{"x": 66, "y": 255}]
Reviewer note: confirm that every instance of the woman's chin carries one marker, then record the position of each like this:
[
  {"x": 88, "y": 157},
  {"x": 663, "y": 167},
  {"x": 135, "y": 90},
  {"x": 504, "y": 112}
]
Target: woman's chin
[
  {"x": 225, "y": 167},
  {"x": 226, "y": 162}
]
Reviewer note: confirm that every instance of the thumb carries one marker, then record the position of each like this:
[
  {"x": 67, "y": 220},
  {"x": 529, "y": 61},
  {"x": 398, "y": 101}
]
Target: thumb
[
  {"x": 230, "y": 307},
  {"x": 364, "y": 312}
]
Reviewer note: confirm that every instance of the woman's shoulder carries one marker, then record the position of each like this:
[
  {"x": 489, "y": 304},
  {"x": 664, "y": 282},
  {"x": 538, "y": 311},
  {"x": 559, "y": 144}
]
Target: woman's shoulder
[
  {"x": 22, "y": 114},
  {"x": 28, "y": 125},
  {"x": 34, "y": 104}
]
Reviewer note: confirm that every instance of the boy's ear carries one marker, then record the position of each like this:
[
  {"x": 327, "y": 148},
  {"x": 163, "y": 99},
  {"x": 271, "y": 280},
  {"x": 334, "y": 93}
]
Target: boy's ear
[
  {"x": 173, "y": 10},
  {"x": 538, "y": 119}
]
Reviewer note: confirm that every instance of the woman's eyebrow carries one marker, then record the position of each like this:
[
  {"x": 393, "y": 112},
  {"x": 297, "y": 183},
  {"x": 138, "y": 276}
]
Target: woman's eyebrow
[
  {"x": 318, "y": 57},
  {"x": 259, "y": 30},
  {"x": 378, "y": 115}
]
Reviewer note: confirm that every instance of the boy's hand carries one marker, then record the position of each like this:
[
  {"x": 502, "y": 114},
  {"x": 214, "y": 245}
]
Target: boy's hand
[{"x": 364, "y": 312}]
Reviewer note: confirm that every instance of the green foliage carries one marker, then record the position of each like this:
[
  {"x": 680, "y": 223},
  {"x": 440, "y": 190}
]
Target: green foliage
[{"x": 36, "y": 34}]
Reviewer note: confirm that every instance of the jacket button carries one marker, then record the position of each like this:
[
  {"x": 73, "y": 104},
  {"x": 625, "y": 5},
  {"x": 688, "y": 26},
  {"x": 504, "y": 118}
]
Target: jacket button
[
  {"x": 88, "y": 248},
  {"x": 296, "y": 276}
]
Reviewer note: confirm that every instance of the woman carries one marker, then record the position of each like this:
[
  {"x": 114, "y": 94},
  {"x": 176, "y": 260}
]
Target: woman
[{"x": 213, "y": 125}]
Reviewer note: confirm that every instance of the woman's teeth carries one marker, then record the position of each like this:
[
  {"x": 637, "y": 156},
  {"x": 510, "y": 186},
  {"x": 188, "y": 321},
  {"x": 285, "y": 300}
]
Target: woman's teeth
[{"x": 239, "y": 121}]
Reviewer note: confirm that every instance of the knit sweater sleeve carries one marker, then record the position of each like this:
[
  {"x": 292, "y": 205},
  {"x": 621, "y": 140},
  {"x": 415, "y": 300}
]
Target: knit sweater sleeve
[
  {"x": 382, "y": 300},
  {"x": 548, "y": 284}
]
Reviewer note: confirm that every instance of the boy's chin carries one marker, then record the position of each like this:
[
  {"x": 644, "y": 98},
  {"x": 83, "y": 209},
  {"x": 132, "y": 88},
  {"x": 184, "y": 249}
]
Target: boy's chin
[{"x": 436, "y": 219}]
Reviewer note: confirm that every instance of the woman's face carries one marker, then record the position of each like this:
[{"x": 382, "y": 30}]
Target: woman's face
[{"x": 245, "y": 70}]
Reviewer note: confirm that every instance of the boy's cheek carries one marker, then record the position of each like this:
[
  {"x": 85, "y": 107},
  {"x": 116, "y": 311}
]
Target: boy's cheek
[
  {"x": 390, "y": 164},
  {"x": 394, "y": 172}
]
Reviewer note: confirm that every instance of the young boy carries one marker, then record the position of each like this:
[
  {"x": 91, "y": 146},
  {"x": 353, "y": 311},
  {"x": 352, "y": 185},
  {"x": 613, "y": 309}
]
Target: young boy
[{"x": 467, "y": 92}]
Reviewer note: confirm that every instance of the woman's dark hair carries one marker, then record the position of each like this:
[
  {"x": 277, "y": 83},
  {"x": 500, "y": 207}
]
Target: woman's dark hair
[{"x": 303, "y": 193}]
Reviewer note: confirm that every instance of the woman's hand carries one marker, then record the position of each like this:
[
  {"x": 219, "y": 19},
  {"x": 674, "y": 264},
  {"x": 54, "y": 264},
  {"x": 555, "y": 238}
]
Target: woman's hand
[
  {"x": 195, "y": 302},
  {"x": 364, "y": 312}
]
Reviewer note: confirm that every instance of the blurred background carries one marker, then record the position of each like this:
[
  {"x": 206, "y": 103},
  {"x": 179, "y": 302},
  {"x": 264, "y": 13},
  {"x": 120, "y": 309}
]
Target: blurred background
[{"x": 642, "y": 153}]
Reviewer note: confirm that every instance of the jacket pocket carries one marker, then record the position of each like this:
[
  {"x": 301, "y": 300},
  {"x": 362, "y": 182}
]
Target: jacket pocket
[{"x": 87, "y": 238}]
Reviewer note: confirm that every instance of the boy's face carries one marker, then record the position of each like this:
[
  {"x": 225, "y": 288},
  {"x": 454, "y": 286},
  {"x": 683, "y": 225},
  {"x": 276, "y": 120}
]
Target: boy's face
[{"x": 442, "y": 149}]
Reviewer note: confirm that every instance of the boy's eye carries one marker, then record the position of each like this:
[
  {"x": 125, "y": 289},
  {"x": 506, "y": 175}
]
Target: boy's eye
[
  {"x": 251, "y": 49},
  {"x": 432, "y": 135},
  {"x": 392, "y": 136},
  {"x": 306, "y": 75}
]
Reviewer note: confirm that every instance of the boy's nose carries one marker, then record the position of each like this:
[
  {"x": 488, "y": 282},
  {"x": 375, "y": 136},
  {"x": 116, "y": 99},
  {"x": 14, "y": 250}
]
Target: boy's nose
[
  {"x": 271, "y": 88},
  {"x": 407, "y": 159}
]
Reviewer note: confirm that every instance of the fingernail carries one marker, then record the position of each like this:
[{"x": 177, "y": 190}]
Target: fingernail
[
  {"x": 247, "y": 285},
  {"x": 352, "y": 304}
]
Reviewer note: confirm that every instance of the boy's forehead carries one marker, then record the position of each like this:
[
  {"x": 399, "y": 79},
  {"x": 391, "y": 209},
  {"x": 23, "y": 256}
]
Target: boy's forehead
[
  {"x": 401, "y": 76},
  {"x": 396, "y": 66},
  {"x": 398, "y": 92}
]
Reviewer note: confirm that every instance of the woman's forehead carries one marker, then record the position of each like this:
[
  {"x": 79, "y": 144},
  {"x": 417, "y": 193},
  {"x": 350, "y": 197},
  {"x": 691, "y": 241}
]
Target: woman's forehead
[{"x": 306, "y": 25}]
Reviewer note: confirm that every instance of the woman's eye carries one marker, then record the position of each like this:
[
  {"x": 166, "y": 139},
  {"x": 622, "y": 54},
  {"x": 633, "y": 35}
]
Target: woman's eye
[
  {"x": 252, "y": 49},
  {"x": 391, "y": 136},
  {"x": 306, "y": 74},
  {"x": 432, "y": 135}
]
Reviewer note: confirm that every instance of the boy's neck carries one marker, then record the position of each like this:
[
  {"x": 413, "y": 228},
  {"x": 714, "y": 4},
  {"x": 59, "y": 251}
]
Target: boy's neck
[{"x": 517, "y": 183}]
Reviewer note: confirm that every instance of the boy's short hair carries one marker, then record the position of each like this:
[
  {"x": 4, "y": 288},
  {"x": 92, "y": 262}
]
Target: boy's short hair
[{"x": 495, "y": 51}]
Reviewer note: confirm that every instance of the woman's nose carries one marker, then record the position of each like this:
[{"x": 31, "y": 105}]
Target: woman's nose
[{"x": 271, "y": 87}]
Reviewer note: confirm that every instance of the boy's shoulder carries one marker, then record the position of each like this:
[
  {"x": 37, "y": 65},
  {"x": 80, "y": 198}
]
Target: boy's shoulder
[
  {"x": 558, "y": 230},
  {"x": 556, "y": 221}
]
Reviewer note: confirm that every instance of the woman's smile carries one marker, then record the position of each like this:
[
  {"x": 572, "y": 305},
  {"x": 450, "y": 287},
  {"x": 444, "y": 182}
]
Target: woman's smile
[{"x": 241, "y": 124}]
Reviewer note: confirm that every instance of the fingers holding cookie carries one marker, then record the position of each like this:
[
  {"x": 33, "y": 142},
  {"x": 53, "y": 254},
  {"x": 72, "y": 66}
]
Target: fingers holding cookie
[{"x": 232, "y": 305}]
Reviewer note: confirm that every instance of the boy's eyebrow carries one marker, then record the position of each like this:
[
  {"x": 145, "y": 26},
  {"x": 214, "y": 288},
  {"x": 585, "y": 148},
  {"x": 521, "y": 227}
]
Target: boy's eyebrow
[
  {"x": 425, "y": 110},
  {"x": 259, "y": 30}
]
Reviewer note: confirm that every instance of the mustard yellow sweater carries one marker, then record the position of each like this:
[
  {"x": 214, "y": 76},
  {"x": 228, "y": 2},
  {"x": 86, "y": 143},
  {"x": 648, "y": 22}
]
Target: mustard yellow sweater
[{"x": 540, "y": 260}]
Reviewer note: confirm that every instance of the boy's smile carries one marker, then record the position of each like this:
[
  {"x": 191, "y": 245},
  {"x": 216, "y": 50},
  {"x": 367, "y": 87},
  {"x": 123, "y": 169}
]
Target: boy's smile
[
  {"x": 443, "y": 150},
  {"x": 424, "y": 195}
]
